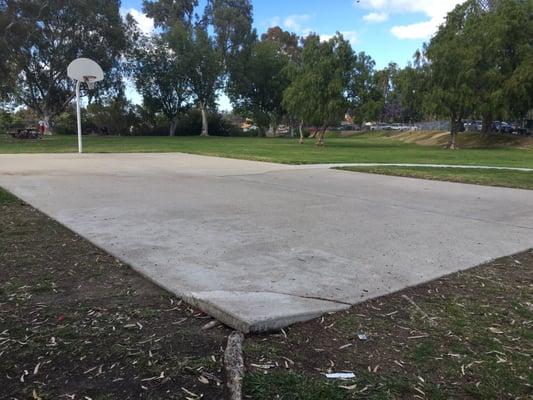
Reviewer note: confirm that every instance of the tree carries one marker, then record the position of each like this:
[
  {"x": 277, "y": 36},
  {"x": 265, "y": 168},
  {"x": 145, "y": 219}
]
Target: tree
[
  {"x": 366, "y": 100},
  {"x": 258, "y": 83},
  {"x": 410, "y": 86},
  {"x": 288, "y": 43},
  {"x": 501, "y": 48},
  {"x": 384, "y": 81},
  {"x": 318, "y": 93},
  {"x": 232, "y": 25},
  {"x": 231, "y": 22},
  {"x": 204, "y": 59},
  {"x": 113, "y": 116},
  {"x": 55, "y": 33},
  {"x": 11, "y": 36},
  {"x": 161, "y": 78},
  {"x": 167, "y": 12},
  {"x": 203, "y": 64},
  {"x": 452, "y": 68}
]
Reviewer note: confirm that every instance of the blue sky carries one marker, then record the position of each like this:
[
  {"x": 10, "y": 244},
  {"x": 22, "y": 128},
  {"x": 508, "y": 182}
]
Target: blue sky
[{"x": 388, "y": 30}]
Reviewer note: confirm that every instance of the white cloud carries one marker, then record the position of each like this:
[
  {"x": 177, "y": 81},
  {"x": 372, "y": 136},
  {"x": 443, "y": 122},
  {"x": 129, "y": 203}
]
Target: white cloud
[
  {"x": 420, "y": 30},
  {"x": 376, "y": 17},
  {"x": 276, "y": 21},
  {"x": 146, "y": 25},
  {"x": 298, "y": 25},
  {"x": 350, "y": 36},
  {"x": 295, "y": 23},
  {"x": 435, "y": 10}
]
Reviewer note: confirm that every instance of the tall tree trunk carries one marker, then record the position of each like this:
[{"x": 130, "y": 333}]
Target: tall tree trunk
[
  {"x": 205, "y": 124},
  {"x": 486, "y": 127},
  {"x": 261, "y": 131},
  {"x": 48, "y": 128},
  {"x": 301, "y": 129},
  {"x": 173, "y": 126},
  {"x": 319, "y": 139},
  {"x": 455, "y": 122}
]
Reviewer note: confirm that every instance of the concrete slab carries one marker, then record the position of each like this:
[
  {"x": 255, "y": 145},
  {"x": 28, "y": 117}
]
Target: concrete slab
[{"x": 260, "y": 245}]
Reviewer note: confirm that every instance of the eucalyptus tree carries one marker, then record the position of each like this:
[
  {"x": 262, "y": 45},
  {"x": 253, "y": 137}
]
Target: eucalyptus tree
[
  {"x": 43, "y": 36},
  {"x": 161, "y": 77},
  {"x": 11, "y": 36},
  {"x": 204, "y": 44},
  {"x": 231, "y": 21},
  {"x": 258, "y": 83},
  {"x": 501, "y": 40},
  {"x": 166, "y": 13},
  {"x": 453, "y": 68},
  {"x": 366, "y": 100},
  {"x": 202, "y": 63},
  {"x": 318, "y": 93}
]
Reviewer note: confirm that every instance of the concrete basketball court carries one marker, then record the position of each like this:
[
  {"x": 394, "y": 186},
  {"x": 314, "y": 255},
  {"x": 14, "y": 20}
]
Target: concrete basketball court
[{"x": 259, "y": 245}]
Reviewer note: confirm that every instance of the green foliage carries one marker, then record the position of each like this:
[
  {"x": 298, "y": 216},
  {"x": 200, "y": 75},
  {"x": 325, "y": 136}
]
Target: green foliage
[
  {"x": 6, "y": 197},
  {"x": 6, "y": 120},
  {"x": 481, "y": 62},
  {"x": 116, "y": 116},
  {"x": 161, "y": 78},
  {"x": 366, "y": 100},
  {"x": 232, "y": 25},
  {"x": 452, "y": 68},
  {"x": 185, "y": 64},
  {"x": 11, "y": 35},
  {"x": 65, "y": 123},
  {"x": 167, "y": 12},
  {"x": 202, "y": 61},
  {"x": 290, "y": 386},
  {"x": 54, "y": 33},
  {"x": 318, "y": 91},
  {"x": 257, "y": 85},
  {"x": 411, "y": 85}
]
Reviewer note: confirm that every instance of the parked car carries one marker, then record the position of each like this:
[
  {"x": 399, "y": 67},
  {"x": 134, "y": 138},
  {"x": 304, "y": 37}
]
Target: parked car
[
  {"x": 473, "y": 126},
  {"x": 505, "y": 127}
]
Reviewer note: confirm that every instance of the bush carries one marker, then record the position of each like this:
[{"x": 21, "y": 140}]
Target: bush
[
  {"x": 6, "y": 120},
  {"x": 65, "y": 123},
  {"x": 189, "y": 124}
]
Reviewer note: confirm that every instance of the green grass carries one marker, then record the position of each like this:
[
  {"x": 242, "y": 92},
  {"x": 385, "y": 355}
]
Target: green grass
[
  {"x": 372, "y": 147},
  {"x": 6, "y": 197},
  {"x": 514, "y": 179},
  {"x": 290, "y": 386}
]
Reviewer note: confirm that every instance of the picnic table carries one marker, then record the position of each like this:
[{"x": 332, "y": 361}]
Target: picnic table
[{"x": 25, "y": 133}]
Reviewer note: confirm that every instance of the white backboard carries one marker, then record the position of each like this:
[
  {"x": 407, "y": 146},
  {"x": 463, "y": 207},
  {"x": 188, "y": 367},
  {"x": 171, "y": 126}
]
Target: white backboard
[{"x": 82, "y": 69}]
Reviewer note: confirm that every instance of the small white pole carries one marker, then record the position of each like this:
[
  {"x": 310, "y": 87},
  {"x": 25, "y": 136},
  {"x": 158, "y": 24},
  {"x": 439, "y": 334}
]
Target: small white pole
[{"x": 78, "y": 112}]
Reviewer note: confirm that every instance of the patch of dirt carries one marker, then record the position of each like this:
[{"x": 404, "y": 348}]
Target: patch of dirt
[{"x": 75, "y": 323}]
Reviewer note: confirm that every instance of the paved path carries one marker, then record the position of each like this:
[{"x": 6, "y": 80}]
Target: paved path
[{"x": 262, "y": 245}]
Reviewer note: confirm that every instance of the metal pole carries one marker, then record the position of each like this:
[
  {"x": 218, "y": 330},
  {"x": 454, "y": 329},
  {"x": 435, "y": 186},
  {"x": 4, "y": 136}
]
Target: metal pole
[{"x": 78, "y": 112}]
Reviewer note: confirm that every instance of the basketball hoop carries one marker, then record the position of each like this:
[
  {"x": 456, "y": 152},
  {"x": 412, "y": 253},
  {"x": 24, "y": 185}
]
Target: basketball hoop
[
  {"x": 89, "y": 72},
  {"x": 89, "y": 81}
]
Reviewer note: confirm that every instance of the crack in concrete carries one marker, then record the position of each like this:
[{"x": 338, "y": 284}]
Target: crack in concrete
[{"x": 294, "y": 295}]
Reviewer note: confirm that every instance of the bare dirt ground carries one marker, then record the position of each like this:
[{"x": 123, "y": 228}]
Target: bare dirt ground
[{"x": 75, "y": 323}]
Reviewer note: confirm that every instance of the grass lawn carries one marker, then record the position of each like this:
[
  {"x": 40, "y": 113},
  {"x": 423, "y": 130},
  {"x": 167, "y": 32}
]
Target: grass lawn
[
  {"x": 372, "y": 147},
  {"x": 77, "y": 323},
  {"x": 514, "y": 179}
]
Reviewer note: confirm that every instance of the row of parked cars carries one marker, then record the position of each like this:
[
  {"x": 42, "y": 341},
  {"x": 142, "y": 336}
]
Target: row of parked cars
[
  {"x": 392, "y": 127},
  {"x": 497, "y": 126}
]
